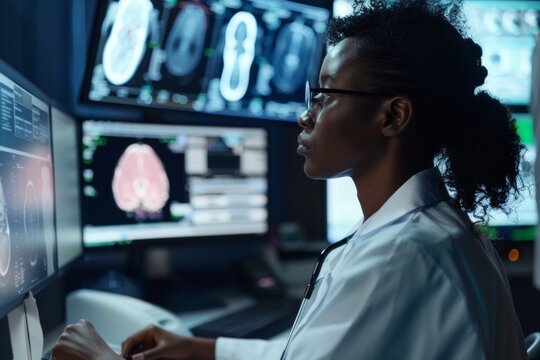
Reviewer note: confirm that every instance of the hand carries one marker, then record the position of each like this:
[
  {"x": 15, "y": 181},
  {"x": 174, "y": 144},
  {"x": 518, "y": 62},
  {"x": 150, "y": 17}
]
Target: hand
[
  {"x": 156, "y": 343},
  {"x": 82, "y": 342}
]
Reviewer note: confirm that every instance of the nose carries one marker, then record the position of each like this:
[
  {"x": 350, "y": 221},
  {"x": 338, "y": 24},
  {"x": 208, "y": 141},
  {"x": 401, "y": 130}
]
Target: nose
[{"x": 305, "y": 120}]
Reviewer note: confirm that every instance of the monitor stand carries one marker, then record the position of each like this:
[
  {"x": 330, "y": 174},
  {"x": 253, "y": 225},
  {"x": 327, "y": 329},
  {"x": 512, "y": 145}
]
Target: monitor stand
[{"x": 25, "y": 331}]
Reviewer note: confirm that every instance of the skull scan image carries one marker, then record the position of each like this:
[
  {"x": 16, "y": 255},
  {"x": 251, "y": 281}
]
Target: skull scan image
[
  {"x": 31, "y": 223},
  {"x": 5, "y": 240},
  {"x": 126, "y": 45},
  {"x": 185, "y": 44},
  {"x": 295, "y": 46},
  {"x": 238, "y": 55},
  {"x": 140, "y": 182}
]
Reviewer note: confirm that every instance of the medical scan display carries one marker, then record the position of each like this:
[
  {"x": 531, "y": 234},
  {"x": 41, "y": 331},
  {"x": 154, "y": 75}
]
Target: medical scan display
[
  {"x": 520, "y": 224},
  {"x": 27, "y": 233},
  {"x": 506, "y": 32},
  {"x": 243, "y": 58},
  {"x": 155, "y": 181}
]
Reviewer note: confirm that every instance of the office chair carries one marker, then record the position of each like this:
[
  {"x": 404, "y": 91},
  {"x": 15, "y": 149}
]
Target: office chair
[{"x": 532, "y": 343}]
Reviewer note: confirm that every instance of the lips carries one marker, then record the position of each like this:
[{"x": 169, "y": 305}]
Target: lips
[{"x": 303, "y": 147}]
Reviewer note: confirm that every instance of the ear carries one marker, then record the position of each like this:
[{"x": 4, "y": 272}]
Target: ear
[{"x": 398, "y": 114}]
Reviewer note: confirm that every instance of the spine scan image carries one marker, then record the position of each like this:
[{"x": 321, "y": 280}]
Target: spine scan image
[
  {"x": 185, "y": 45},
  {"x": 5, "y": 240},
  {"x": 126, "y": 45},
  {"x": 295, "y": 46},
  {"x": 238, "y": 55},
  {"x": 140, "y": 182}
]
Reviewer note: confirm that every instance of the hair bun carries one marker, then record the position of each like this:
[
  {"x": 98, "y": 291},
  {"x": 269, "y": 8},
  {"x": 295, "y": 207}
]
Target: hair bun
[{"x": 476, "y": 73}]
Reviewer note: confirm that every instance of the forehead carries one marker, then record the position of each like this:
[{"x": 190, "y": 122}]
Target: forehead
[{"x": 341, "y": 62}]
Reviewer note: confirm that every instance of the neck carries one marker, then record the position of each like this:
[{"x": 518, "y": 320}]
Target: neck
[{"x": 376, "y": 186}]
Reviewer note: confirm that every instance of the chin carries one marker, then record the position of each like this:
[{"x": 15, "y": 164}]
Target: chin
[{"x": 318, "y": 173}]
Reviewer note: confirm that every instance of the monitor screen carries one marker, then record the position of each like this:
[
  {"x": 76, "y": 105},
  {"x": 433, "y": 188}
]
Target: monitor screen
[
  {"x": 343, "y": 209},
  {"x": 506, "y": 32},
  {"x": 520, "y": 224},
  {"x": 27, "y": 233},
  {"x": 67, "y": 190},
  {"x": 244, "y": 58},
  {"x": 156, "y": 181}
]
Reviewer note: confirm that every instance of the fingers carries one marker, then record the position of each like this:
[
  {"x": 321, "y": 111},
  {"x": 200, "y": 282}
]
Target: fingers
[
  {"x": 147, "y": 355},
  {"x": 145, "y": 337}
]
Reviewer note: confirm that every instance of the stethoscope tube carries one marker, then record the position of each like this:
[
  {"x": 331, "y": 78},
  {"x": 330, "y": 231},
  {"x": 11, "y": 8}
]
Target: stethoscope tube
[{"x": 311, "y": 286}]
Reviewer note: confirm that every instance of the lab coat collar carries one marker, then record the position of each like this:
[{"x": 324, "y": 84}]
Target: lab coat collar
[{"x": 422, "y": 189}]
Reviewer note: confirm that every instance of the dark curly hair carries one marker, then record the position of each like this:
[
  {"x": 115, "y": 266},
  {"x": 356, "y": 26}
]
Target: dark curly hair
[{"x": 420, "y": 49}]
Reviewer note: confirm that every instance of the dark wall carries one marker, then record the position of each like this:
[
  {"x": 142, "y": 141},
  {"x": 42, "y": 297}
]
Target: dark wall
[{"x": 34, "y": 38}]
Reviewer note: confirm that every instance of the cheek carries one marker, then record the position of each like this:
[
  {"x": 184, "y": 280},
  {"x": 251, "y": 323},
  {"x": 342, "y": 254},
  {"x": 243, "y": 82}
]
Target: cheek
[{"x": 347, "y": 141}]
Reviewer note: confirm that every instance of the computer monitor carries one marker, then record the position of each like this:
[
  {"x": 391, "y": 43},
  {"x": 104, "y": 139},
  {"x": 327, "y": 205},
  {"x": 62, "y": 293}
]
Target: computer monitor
[
  {"x": 520, "y": 224},
  {"x": 506, "y": 30},
  {"x": 145, "y": 181},
  {"x": 246, "y": 58},
  {"x": 27, "y": 229},
  {"x": 67, "y": 187},
  {"x": 343, "y": 209}
]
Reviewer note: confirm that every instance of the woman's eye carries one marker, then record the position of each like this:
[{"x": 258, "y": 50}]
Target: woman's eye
[
  {"x": 322, "y": 98},
  {"x": 318, "y": 99}
]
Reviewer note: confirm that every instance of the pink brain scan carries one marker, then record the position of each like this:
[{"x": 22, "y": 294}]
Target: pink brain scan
[{"x": 140, "y": 182}]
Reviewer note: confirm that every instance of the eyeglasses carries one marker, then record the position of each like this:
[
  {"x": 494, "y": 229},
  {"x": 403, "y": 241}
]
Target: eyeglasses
[{"x": 311, "y": 92}]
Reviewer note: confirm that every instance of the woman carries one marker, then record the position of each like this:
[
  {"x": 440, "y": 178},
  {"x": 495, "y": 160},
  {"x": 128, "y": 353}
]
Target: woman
[{"x": 414, "y": 281}]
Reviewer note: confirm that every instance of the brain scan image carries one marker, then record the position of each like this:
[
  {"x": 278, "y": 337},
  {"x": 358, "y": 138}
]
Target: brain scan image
[
  {"x": 31, "y": 223},
  {"x": 140, "y": 182},
  {"x": 126, "y": 45},
  {"x": 5, "y": 240},
  {"x": 185, "y": 44},
  {"x": 238, "y": 55},
  {"x": 295, "y": 46},
  {"x": 246, "y": 58}
]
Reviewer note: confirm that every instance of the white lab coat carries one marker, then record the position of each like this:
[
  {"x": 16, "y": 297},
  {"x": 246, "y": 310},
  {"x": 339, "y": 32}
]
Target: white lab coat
[{"x": 413, "y": 283}]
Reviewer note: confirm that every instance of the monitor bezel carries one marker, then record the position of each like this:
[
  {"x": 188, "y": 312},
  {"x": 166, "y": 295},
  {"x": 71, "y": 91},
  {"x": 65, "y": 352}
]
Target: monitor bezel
[
  {"x": 70, "y": 264},
  {"x": 171, "y": 242},
  {"x": 28, "y": 86},
  {"x": 92, "y": 50}
]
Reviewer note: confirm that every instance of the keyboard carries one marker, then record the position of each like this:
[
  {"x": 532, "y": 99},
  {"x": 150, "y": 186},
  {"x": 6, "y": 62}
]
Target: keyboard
[{"x": 262, "y": 320}]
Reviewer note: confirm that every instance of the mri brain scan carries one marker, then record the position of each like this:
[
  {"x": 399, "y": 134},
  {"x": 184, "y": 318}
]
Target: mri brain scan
[
  {"x": 5, "y": 240},
  {"x": 241, "y": 58},
  {"x": 295, "y": 46},
  {"x": 126, "y": 44},
  {"x": 185, "y": 45},
  {"x": 140, "y": 182}
]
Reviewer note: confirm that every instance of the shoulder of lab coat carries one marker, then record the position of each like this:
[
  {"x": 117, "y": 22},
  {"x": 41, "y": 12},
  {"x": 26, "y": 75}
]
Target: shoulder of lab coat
[
  {"x": 247, "y": 349},
  {"x": 390, "y": 299}
]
